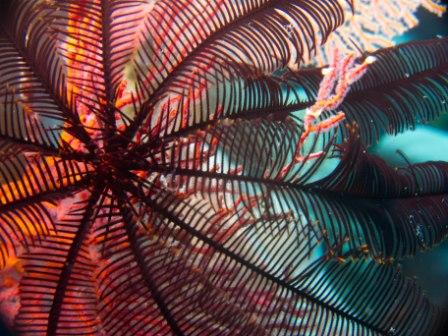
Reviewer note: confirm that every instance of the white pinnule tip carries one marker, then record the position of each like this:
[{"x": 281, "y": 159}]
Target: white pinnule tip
[
  {"x": 370, "y": 59},
  {"x": 326, "y": 71}
]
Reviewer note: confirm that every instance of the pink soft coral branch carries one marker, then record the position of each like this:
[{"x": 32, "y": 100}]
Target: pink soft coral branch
[{"x": 338, "y": 78}]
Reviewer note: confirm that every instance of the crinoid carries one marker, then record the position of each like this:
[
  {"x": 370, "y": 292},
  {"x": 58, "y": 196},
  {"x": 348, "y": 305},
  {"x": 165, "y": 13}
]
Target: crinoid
[{"x": 167, "y": 168}]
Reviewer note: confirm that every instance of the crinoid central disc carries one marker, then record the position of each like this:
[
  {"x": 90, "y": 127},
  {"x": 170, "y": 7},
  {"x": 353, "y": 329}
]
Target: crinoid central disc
[
  {"x": 109, "y": 166},
  {"x": 119, "y": 165}
]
